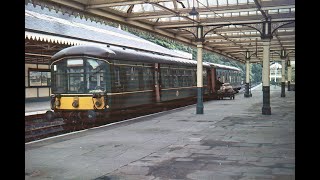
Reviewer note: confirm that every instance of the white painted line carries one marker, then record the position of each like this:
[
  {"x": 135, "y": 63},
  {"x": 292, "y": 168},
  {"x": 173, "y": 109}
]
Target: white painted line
[
  {"x": 56, "y": 136},
  {"x": 34, "y": 113}
]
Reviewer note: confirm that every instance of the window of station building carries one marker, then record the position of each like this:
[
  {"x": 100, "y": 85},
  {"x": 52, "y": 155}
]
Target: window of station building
[{"x": 39, "y": 77}]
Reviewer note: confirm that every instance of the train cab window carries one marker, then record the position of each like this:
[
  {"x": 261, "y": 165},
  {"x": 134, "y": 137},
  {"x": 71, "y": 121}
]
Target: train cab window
[
  {"x": 78, "y": 76},
  {"x": 75, "y": 75},
  {"x": 95, "y": 73}
]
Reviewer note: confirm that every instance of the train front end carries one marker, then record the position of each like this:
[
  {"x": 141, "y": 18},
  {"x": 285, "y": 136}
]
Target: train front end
[{"x": 80, "y": 83}]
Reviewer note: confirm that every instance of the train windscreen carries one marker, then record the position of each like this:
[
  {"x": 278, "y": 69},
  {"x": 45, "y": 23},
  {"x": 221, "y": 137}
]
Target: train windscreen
[{"x": 79, "y": 76}]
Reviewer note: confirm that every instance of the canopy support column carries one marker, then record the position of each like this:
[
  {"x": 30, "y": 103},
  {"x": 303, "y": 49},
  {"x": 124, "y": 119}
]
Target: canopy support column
[
  {"x": 266, "y": 109},
  {"x": 266, "y": 37},
  {"x": 247, "y": 85},
  {"x": 283, "y": 76},
  {"x": 289, "y": 74},
  {"x": 199, "y": 70}
]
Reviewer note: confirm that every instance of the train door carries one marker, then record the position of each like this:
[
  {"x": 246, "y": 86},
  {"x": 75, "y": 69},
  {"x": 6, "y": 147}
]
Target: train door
[
  {"x": 157, "y": 81},
  {"x": 209, "y": 80},
  {"x": 213, "y": 79}
]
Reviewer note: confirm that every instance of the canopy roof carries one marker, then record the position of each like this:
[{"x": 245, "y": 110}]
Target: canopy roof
[{"x": 231, "y": 27}]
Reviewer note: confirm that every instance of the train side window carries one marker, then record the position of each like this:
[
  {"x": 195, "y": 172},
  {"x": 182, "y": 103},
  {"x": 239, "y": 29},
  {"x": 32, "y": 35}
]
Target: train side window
[
  {"x": 180, "y": 77},
  {"x": 165, "y": 77},
  {"x": 171, "y": 79},
  {"x": 132, "y": 79},
  {"x": 188, "y": 78},
  {"x": 147, "y": 78},
  {"x": 194, "y": 77},
  {"x": 117, "y": 81},
  {"x": 204, "y": 72},
  {"x": 185, "y": 78},
  {"x": 175, "y": 78}
]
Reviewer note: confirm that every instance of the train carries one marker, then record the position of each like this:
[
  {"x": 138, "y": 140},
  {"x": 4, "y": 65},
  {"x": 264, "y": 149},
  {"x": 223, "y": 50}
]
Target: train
[{"x": 90, "y": 82}]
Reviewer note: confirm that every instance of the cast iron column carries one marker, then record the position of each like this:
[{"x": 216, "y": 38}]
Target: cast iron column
[
  {"x": 289, "y": 75},
  {"x": 199, "y": 70},
  {"x": 266, "y": 109},
  {"x": 246, "y": 92},
  {"x": 266, "y": 37},
  {"x": 283, "y": 78}
]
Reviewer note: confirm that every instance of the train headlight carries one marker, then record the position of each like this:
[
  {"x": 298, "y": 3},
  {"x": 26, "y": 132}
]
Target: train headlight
[
  {"x": 57, "y": 103},
  {"x": 75, "y": 102},
  {"x": 98, "y": 103}
]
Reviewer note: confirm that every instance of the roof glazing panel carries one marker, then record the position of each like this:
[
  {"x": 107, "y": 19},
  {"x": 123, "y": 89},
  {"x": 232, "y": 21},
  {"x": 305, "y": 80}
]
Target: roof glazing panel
[
  {"x": 222, "y": 2},
  {"x": 243, "y": 2},
  {"x": 202, "y": 3},
  {"x": 167, "y": 4},
  {"x": 232, "y": 2},
  {"x": 212, "y": 3},
  {"x": 170, "y": 17}
]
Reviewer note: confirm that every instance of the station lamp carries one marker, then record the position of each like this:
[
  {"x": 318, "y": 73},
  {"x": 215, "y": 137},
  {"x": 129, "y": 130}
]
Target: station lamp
[
  {"x": 193, "y": 12},
  {"x": 247, "y": 54}
]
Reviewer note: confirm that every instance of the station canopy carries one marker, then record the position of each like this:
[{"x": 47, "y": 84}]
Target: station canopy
[{"x": 231, "y": 27}]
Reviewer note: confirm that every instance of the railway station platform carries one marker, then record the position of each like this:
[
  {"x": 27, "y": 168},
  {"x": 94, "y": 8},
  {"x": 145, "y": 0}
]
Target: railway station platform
[
  {"x": 231, "y": 140},
  {"x": 40, "y": 107}
]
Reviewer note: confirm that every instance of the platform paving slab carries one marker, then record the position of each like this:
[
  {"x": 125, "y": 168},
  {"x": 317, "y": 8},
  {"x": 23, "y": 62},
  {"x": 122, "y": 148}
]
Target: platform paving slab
[{"x": 231, "y": 140}]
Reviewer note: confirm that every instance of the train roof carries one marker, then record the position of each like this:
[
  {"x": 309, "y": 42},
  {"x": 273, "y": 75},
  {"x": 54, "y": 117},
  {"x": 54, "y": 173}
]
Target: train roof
[
  {"x": 119, "y": 53},
  {"x": 224, "y": 66}
]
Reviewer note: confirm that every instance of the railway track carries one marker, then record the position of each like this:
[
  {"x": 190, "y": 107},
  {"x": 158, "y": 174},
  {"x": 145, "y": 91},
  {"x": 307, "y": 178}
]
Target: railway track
[{"x": 38, "y": 128}]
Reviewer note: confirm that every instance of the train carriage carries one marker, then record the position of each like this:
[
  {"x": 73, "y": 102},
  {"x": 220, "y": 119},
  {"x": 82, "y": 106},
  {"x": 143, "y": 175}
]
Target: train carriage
[{"x": 89, "y": 82}]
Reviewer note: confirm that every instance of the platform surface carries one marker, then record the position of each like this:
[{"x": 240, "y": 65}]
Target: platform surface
[
  {"x": 231, "y": 140},
  {"x": 31, "y": 108}
]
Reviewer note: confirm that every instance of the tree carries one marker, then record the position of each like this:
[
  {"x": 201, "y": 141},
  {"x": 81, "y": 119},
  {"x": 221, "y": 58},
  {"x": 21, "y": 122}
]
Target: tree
[{"x": 256, "y": 72}]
